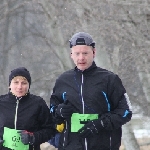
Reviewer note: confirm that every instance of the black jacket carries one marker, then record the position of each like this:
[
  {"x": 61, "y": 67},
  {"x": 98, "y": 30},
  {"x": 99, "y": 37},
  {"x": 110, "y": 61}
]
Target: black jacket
[
  {"x": 32, "y": 114},
  {"x": 103, "y": 93}
]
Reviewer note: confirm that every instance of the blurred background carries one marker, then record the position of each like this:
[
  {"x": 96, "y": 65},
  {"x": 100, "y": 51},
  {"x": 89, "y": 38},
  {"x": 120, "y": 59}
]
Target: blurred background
[{"x": 35, "y": 34}]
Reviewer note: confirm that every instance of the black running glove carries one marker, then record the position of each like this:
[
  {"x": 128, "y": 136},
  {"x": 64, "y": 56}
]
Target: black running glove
[
  {"x": 1, "y": 143},
  {"x": 91, "y": 128},
  {"x": 27, "y": 137},
  {"x": 64, "y": 110}
]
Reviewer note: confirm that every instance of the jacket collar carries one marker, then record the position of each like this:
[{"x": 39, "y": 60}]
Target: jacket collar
[{"x": 15, "y": 98}]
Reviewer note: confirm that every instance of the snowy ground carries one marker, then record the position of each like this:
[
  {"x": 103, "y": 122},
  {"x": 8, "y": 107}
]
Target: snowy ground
[
  {"x": 141, "y": 129},
  {"x": 141, "y": 126}
]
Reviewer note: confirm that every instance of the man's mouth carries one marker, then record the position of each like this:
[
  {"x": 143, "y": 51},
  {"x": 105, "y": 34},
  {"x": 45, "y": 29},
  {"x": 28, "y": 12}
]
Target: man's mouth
[{"x": 81, "y": 63}]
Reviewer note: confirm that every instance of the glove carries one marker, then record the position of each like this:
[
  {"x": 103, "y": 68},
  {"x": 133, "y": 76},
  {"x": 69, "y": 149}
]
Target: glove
[
  {"x": 91, "y": 128},
  {"x": 1, "y": 143},
  {"x": 27, "y": 137},
  {"x": 64, "y": 110}
]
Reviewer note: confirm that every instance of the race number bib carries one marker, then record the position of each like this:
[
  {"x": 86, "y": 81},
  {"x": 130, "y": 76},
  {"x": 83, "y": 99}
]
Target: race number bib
[
  {"x": 12, "y": 140},
  {"x": 79, "y": 120}
]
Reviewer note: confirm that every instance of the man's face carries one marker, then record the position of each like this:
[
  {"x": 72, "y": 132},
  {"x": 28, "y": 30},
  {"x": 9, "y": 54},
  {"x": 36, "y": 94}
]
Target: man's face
[
  {"x": 19, "y": 86},
  {"x": 83, "y": 56}
]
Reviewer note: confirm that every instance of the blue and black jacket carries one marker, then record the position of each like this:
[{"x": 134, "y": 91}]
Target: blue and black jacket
[{"x": 93, "y": 91}]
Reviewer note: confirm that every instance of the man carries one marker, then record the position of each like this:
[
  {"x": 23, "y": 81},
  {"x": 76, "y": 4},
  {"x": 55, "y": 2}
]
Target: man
[
  {"x": 91, "y": 101},
  {"x": 25, "y": 121}
]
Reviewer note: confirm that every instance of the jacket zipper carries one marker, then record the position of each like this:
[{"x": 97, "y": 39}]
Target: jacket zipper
[
  {"x": 16, "y": 114},
  {"x": 17, "y": 103},
  {"x": 64, "y": 134},
  {"x": 83, "y": 107},
  {"x": 82, "y": 94}
]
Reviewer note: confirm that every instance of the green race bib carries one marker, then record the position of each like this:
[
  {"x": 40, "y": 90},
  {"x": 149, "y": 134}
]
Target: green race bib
[
  {"x": 12, "y": 140},
  {"x": 79, "y": 120}
]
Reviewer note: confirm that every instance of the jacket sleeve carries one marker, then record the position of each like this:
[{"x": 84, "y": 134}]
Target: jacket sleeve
[
  {"x": 120, "y": 106},
  {"x": 55, "y": 100},
  {"x": 46, "y": 129}
]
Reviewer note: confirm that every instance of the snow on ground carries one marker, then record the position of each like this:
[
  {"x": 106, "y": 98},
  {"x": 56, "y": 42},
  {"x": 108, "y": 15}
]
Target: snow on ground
[
  {"x": 142, "y": 133},
  {"x": 141, "y": 126}
]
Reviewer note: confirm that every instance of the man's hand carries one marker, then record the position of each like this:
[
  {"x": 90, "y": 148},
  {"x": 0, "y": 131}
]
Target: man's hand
[
  {"x": 64, "y": 110},
  {"x": 1, "y": 143},
  {"x": 27, "y": 137},
  {"x": 91, "y": 128}
]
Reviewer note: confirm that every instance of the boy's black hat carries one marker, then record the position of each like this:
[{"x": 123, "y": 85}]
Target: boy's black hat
[{"x": 21, "y": 71}]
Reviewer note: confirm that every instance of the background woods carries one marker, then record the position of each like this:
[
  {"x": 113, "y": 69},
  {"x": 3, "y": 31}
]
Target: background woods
[{"x": 35, "y": 34}]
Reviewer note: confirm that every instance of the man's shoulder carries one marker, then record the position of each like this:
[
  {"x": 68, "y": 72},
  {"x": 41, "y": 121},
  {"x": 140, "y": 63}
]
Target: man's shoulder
[
  {"x": 67, "y": 73},
  {"x": 3, "y": 97},
  {"x": 105, "y": 71}
]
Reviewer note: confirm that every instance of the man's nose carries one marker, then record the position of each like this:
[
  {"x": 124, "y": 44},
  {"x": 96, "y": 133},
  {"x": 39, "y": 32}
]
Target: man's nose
[{"x": 81, "y": 56}]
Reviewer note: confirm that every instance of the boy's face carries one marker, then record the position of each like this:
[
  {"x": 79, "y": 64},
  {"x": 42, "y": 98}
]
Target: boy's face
[
  {"x": 83, "y": 56},
  {"x": 19, "y": 86}
]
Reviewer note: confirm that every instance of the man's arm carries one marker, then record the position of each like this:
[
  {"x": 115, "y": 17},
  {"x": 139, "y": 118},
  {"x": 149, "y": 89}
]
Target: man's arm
[{"x": 120, "y": 106}]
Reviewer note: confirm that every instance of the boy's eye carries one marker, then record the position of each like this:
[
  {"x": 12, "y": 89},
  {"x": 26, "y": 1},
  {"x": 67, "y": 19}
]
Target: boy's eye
[
  {"x": 24, "y": 83},
  {"x": 15, "y": 82}
]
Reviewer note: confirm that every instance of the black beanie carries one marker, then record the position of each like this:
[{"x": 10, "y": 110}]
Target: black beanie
[{"x": 21, "y": 71}]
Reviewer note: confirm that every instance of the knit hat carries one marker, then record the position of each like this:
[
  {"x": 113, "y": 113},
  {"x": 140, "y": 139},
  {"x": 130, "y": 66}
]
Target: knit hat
[
  {"x": 21, "y": 71},
  {"x": 82, "y": 38}
]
